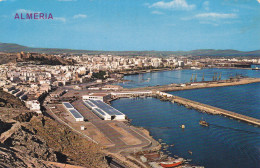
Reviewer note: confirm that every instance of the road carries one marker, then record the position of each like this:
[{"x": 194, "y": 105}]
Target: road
[
  {"x": 113, "y": 135},
  {"x": 57, "y": 119}
]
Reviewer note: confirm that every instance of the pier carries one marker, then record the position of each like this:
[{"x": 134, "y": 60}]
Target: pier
[
  {"x": 187, "y": 103},
  {"x": 159, "y": 92},
  {"x": 196, "y": 85},
  {"x": 212, "y": 110}
]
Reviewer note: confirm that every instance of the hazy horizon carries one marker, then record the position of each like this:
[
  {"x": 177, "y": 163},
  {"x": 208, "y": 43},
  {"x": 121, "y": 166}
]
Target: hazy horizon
[{"x": 132, "y": 25}]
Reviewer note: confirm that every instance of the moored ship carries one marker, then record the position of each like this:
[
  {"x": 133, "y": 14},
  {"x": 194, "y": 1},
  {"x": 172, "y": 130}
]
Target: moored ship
[{"x": 172, "y": 163}]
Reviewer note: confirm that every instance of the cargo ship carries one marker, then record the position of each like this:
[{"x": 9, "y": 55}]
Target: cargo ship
[{"x": 172, "y": 163}]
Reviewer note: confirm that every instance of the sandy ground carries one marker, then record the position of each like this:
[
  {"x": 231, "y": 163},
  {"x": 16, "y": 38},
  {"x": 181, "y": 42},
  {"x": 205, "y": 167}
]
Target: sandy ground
[
  {"x": 90, "y": 129},
  {"x": 61, "y": 165},
  {"x": 128, "y": 138}
]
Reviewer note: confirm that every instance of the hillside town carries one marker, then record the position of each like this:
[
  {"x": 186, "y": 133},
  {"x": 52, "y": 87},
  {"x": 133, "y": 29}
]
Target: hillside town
[
  {"x": 76, "y": 91},
  {"x": 29, "y": 81}
]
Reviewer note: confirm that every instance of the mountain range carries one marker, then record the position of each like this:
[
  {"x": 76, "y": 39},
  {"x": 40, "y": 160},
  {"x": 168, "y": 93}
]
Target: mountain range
[{"x": 11, "y": 47}]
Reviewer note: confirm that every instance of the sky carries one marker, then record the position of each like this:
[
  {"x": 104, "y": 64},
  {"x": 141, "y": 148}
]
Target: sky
[{"x": 120, "y": 25}]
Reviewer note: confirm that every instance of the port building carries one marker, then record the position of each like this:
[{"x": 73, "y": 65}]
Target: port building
[
  {"x": 77, "y": 116},
  {"x": 103, "y": 110},
  {"x": 131, "y": 93},
  {"x": 96, "y": 96}
]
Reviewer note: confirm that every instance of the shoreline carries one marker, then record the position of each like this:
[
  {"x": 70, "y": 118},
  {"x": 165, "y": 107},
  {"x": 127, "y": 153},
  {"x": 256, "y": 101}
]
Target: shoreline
[
  {"x": 158, "y": 148},
  {"x": 198, "y": 85},
  {"x": 221, "y": 83},
  {"x": 136, "y": 72}
]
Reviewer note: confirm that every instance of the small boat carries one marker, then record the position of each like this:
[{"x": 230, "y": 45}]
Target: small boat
[
  {"x": 204, "y": 123},
  {"x": 172, "y": 163},
  {"x": 256, "y": 68}
]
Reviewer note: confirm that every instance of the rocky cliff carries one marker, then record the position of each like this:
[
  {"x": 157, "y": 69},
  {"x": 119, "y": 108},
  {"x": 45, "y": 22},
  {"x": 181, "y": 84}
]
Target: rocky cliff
[{"x": 31, "y": 140}]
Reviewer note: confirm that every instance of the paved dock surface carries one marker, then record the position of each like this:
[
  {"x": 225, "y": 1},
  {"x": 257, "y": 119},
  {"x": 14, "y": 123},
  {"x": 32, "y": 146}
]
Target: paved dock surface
[{"x": 215, "y": 110}]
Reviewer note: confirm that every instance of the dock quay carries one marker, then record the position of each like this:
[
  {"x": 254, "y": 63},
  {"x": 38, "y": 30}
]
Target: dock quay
[
  {"x": 187, "y": 103},
  {"x": 196, "y": 85},
  {"x": 208, "y": 109},
  {"x": 132, "y": 72},
  {"x": 129, "y": 94}
]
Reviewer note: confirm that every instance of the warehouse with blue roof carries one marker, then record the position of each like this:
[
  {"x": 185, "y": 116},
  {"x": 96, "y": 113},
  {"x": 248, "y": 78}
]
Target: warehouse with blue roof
[
  {"x": 77, "y": 116},
  {"x": 103, "y": 110}
]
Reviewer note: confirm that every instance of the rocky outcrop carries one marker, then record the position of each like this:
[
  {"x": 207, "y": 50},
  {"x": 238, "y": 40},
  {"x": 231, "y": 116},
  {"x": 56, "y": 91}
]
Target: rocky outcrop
[
  {"x": 71, "y": 148},
  {"x": 20, "y": 147},
  {"x": 4, "y": 126},
  {"x": 10, "y": 101},
  {"x": 28, "y": 139},
  {"x": 24, "y": 140},
  {"x": 12, "y": 158},
  {"x": 25, "y": 117}
]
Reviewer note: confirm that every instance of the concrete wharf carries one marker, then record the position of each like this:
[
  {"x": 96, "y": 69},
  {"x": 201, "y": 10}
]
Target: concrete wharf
[
  {"x": 192, "y": 104},
  {"x": 214, "y": 110}
]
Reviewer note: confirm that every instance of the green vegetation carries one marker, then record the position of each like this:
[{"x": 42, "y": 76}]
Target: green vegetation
[{"x": 99, "y": 75}]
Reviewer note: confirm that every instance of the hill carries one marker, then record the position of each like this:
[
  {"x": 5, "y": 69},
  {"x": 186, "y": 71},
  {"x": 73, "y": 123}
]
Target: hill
[
  {"x": 10, "y": 47},
  {"x": 31, "y": 140}
]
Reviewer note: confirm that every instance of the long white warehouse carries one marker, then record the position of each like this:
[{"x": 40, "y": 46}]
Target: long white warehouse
[
  {"x": 103, "y": 110},
  {"x": 77, "y": 116}
]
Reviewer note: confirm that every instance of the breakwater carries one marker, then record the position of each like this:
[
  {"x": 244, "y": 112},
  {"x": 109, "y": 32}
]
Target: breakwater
[
  {"x": 197, "y": 85},
  {"x": 210, "y": 146},
  {"x": 207, "y": 108},
  {"x": 189, "y": 104}
]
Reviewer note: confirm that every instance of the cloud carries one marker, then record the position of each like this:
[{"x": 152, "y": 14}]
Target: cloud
[
  {"x": 213, "y": 18},
  {"x": 2, "y": 0},
  {"x": 66, "y": 0},
  {"x": 174, "y": 4},
  {"x": 258, "y": 1},
  {"x": 216, "y": 16},
  {"x": 78, "y": 16},
  {"x": 25, "y": 11},
  {"x": 209, "y": 22},
  {"x": 206, "y": 5},
  {"x": 157, "y": 12},
  {"x": 62, "y": 19}
]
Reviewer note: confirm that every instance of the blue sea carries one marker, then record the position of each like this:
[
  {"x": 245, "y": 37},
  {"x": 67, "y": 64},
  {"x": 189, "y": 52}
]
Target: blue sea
[
  {"x": 226, "y": 143},
  {"x": 183, "y": 76}
]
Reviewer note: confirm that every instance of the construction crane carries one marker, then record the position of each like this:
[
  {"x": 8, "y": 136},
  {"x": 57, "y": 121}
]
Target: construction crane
[
  {"x": 219, "y": 78},
  {"x": 195, "y": 79}
]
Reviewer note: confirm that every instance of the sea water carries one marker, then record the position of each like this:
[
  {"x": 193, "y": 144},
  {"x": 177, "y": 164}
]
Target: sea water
[
  {"x": 226, "y": 143},
  {"x": 183, "y": 76}
]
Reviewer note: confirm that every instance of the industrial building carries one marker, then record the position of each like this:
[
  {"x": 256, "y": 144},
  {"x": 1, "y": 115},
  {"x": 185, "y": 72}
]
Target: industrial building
[
  {"x": 96, "y": 96},
  {"x": 131, "y": 93},
  {"x": 77, "y": 116},
  {"x": 103, "y": 110}
]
